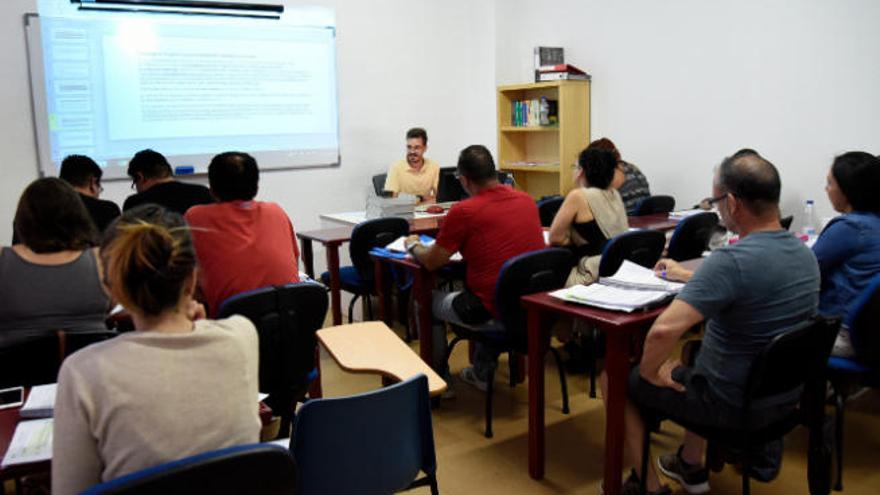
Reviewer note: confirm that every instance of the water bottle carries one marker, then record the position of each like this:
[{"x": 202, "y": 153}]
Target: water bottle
[
  {"x": 544, "y": 111},
  {"x": 809, "y": 225}
]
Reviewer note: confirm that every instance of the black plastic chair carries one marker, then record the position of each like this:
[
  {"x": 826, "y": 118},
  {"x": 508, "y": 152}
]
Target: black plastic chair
[
  {"x": 259, "y": 469},
  {"x": 448, "y": 187},
  {"x": 547, "y": 208},
  {"x": 525, "y": 274},
  {"x": 358, "y": 279},
  {"x": 36, "y": 360},
  {"x": 373, "y": 443},
  {"x": 286, "y": 318},
  {"x": 786, "y": 222},
  {"x": 691, "y": 236},
  {"x": 654, "y": 204},
  {"x": 379, "y": 185},
  {"x": 790, "y": 362},
  {"x": 848, "y": 375},
  {"x": 643, "y": 247}
]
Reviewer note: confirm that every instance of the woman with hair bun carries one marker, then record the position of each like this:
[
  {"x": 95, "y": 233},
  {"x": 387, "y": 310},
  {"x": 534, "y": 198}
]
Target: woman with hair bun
[
  {"x": 591, "y": 213},
  {"x": 177, "y": 386},
  {"x": 52, "y": 279},
  {"x": 848, "y": 249}
]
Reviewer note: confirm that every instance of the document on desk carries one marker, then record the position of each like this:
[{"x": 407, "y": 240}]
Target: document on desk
[
  {"x": 40, "y": 402},
  {"x": 634, "y": 276},
  {"x": 399, "y": 246},
  {"x": 31, "y": 442},
  {"x": 611, "y": 297}
]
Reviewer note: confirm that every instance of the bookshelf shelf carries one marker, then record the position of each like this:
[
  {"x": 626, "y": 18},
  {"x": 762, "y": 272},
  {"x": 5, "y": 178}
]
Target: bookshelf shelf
[{"x": 557, "y": 145}]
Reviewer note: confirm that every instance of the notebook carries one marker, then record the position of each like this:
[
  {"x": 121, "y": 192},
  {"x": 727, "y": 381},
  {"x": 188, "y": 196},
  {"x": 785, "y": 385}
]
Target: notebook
[
  {"x": 40, "y": 402},
  {"x": 632, "y": 287},
  {"x": 31, "y": 442}
]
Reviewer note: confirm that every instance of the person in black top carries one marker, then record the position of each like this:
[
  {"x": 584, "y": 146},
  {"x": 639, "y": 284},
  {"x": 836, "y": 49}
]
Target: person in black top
[
  {"x": 151, "y": 175},
  {"x": 84, "y": 175}
]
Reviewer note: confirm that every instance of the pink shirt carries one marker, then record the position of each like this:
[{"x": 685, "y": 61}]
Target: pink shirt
[{"x": 242, "y": 246}]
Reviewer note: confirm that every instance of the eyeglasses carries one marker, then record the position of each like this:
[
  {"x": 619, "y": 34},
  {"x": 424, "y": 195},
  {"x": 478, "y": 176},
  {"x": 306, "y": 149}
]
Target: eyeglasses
[{"x": 712, "y": 201}]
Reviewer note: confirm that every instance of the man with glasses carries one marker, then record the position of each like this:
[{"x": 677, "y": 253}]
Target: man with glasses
[
  {"x": 84, "y": 175},
  {"x": 151, "y": 176},
  {"x": 746, "y": 293},
  {"x": 416, "y": 174}
]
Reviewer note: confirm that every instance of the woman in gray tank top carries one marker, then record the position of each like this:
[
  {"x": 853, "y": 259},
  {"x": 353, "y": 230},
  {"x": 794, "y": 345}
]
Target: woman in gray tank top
[{"x": 52, "y": 280}]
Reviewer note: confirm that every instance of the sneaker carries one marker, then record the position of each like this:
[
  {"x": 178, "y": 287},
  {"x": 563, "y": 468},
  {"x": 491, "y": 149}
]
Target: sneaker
[
  {"x": 631, "y": 486},
  {"x": 470, "y": 377},
  {"x": 693, "y": 478}
]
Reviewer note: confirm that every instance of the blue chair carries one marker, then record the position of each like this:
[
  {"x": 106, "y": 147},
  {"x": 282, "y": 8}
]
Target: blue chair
[
  {"x": 525, "y": 274},
  {"x": 358, "y": 278},
  {"x": 379, "y": 185},
  {"x": 653, "y": 205},
  {"x": 547, "y": 208},
  {"x": 791, "y": 363},
  {"x": 286, "y": 318},
  {"x": 254, "y": 469},
  {"x": 371, "y": 444},
  {"x": 848, "y": 375},
  {"x": 691, "y": 236},
  {"x": 643, "y": 247}
]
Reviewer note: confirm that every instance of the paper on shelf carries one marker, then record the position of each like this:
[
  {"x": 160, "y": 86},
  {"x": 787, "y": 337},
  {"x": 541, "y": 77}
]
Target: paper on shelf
[{"x": 31, "y": 442}]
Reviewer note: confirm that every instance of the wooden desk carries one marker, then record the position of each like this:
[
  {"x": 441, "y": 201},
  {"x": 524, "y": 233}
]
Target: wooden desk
[
  {"x": 9, "y": 419},
  {"x": 660, "y": 221},
  {"x": 619, "y": 329},
  {"x": 373, "y": 348},
  {"x": 332, "y": 239}
]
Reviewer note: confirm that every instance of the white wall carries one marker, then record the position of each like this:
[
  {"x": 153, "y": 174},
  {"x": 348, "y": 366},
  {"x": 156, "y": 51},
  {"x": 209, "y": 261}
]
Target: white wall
[
  {"x": 401, "y": 64},
  {"x": 679, "y": 84}
]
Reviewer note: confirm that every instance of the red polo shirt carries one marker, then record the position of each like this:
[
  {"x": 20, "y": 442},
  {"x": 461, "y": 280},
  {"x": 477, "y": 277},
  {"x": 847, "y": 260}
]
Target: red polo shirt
[
  {"x": 488, "y": 229},
  {"x": 242, "y": 246}
]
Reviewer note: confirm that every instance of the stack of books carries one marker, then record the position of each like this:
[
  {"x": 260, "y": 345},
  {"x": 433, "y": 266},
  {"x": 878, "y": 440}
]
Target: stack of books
[
  {"x": 527, "y": 113},
  {"x": 632, "y": 287},
  {"x": 560, "y": 72},
  {"x": 401, "y": 206}
]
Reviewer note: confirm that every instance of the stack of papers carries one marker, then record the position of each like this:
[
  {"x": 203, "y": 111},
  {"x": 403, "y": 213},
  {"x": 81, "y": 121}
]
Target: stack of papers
[
  {"x": 40, "y": 402},
  {"x": 634, "y": 276},
  {"x": 632, "y": 287},
  {"x": 398, "y": 246},
  {"x": 31, "y": 442}
]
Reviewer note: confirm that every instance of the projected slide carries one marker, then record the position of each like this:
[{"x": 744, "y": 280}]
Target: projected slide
[{"x": 189, "y": 88}]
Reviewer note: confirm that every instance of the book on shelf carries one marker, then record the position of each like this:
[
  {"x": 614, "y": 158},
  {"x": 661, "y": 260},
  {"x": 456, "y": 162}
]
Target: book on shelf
[
  {"x": 527, "y": 113},
  {"x": 632, "y": 287},
  {"x": 562, "y": 76},
  {"x": 562, "y": 68},
  {"x": 530, "y": 163}
]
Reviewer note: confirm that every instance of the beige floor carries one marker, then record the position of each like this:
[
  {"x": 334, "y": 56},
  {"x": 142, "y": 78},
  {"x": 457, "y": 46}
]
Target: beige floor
[{"x": 469, "y": 463}]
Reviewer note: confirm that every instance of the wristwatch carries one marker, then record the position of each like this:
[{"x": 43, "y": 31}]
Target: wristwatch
[{"x": 412, "y": 248}]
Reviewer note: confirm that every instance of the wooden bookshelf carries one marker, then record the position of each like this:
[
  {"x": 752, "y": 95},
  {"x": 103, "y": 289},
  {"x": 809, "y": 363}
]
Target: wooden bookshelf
[{"x": 540, "y": 157}]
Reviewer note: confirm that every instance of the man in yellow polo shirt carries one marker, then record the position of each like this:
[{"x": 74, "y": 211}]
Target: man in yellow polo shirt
[{"x": 416, "y": 175}]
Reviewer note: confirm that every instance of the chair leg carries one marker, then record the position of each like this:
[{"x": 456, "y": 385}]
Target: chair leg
[
  {"x": 562, "y": 381},
  {"x": 369, "y": 302},
  {"x": 490, "y": 392},
  {"x": 449, "y": 348},
  {"x": 838, "y": 439},
  {"x": 434, "y": 489},
  {"x": 512, "y": 363},
  {"x": 746, "y": 467},
  {"x": 646, "y": 454},
  {"x": 351, "y": 308},
  {"x": 593, "y": 343}
]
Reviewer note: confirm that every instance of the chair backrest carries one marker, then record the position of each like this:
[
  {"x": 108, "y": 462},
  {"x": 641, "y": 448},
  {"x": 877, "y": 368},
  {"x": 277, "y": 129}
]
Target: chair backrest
[
  {"x": 259, "y": 468},
  {"x": 70, "y": 342},
  {"x": 786, "y": 222},
  {"x": 371, "y": 444},
  {"x": 366, "y": 235},
  {"x": 691, "y": 236},
  {"x": 286, "y": 318},
  {"x": 379, "y": 185},
  {"x": 547, "y": 209},
  {"x": 791, "y": 359},
  {"x": 643, "y": 247},
  {"x": 448, "y": 187},
  {"x": 28, "y": 362},
  {"x": 655, "y": 204},
  {"x": 863, "y": 322},
  {"x": 528, "y": 273}
]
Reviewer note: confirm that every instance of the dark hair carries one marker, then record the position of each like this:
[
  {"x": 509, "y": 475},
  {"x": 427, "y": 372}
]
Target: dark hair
[
  {"x": 148, "y": 257},
  {"x": 476, "y": 163},
  {"x": 416, "y": 133},
  {"x": 598, "y": 166},
  {"x": 605, "y": 144},
  {"x": 51, "y": 217},
  {"x": 233, "y": 176},
  {"x": 858, "y": 175},
  {"x": 150, "y": 164},
  {"x": 78, "y": 170},
  {"x": 751, "y": 178}
]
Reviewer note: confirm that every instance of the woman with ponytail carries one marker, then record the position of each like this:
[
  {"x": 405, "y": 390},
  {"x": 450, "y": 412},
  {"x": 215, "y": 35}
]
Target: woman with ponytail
[{"x": 178, "y": 386}]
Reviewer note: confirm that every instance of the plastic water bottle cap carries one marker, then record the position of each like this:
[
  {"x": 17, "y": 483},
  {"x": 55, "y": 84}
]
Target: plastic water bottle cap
[{"x": 809, "y": 201}]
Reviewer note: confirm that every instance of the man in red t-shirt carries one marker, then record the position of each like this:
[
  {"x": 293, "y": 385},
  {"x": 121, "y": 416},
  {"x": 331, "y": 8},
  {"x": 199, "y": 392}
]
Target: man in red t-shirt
[
  {"x": 495, "y": 224},
  {"x": 241, "y": 244}
]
